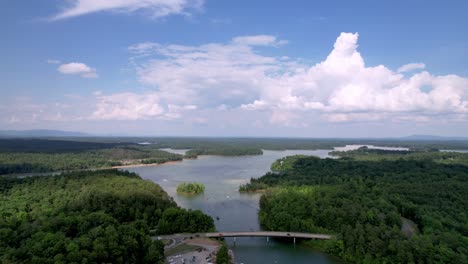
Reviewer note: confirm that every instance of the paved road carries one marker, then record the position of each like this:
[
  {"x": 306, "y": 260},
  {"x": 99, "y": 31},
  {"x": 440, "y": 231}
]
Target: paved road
[
  {"x": 268, "y": 234},
  {"x": 249, "y": 234}
]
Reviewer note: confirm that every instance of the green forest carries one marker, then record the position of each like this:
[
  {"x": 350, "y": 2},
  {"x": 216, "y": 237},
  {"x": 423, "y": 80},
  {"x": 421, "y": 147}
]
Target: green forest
[
  {"x": 222, "y": 256},
  {"x": 70, "y": 154},
  {"x": 279, "y": 143},
  {"x": 223, "y": 151},
  {"x": 382, "y": 210},
  {"x": 89, "y": 217},
  {"x": 364, "y": 153},
  {"x": 190, "y": 188},
  {"x": 55, "y": 155}
]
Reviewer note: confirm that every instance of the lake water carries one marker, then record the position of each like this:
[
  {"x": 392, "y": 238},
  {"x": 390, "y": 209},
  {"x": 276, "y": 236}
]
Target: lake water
[
  {"x": 236, "y": 212},
  {"x": 354, "y": 147},
  {"x": 455, "y": 150}
]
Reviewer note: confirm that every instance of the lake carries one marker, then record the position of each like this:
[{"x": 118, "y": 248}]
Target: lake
[
  {"x": 236, "y": 212},
  {"x": 354, "y": 147}
]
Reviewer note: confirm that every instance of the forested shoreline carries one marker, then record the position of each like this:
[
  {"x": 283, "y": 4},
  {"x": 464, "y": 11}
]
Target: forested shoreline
[
  {"x": 18, "y": 156},
  {"x": 43, "y": 156},
  {"x": 383, "y": 210},
  {"x": 227, "y": 151},
  {"x": 93, "y": 217},
  {"x": 367, "y": 154},
  {"x": 34, "y": 155}
]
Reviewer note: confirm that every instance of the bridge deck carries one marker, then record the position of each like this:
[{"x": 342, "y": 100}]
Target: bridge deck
[
  {"x": 268, "y": 234},
  {"x": 251, "y": 234}
]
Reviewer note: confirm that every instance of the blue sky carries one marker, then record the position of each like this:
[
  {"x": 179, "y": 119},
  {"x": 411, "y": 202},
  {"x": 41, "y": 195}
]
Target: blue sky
[{"x": 235, "y": 68}]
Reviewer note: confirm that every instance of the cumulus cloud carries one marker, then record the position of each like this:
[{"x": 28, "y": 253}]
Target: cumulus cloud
[
  {"x": 134, "y": 106},
  {"x": 411, "y": 67},
  {"x": 127, "y": 106},
  {"x": 341, "y": 88},
  {"x": 208, "y": 75},
  {"x": 259, "y": 40},
  {"x": 153, "y": 8},
  {"x": 78, "y": 68},
  {"x": 344, "y": 84},
  {"x": 256, "y": 105}
]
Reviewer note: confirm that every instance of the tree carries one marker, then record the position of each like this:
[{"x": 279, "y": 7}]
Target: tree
[{"x": 222, "y": 257}]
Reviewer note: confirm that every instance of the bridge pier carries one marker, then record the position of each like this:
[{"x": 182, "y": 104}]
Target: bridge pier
[
  {"x": 294, "y": 241},
  {"x": 234, "y": 241},
  {"x": 268, "y": 239}
]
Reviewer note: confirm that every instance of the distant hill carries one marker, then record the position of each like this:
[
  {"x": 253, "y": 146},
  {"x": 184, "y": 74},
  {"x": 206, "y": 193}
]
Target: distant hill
[
  {"x": 431, "y": 137},
  {"x": 40, "y": 133}
]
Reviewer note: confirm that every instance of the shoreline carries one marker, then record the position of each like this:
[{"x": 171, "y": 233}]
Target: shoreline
[
  {"x": 32, "y": 174},
  {"x": 146, "y": 165}
]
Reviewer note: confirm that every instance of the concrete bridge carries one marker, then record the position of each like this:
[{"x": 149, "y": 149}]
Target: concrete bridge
[
  {"x": 180, "y": 237},
  {"x": 267, "y": 234}
]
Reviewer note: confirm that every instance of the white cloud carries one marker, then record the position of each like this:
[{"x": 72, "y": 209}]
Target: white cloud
[
  {"x": 285, "y": 118},
  {"x": 256, "y": 105},
  {"x": 411, "y": 67},
  {"x": 127, "y": 106},
  {"x": 153, "y": 8},
  {"x": 259, "y": 40},
  {"x": 219, "y": 79},
  {"x": 52, "y": 61},
  {"x": 78, "y": 68},
  {"x": 21, "y": 110},
  {"x": 142, "y": 48},
  {"x": 206, "y": 75},
  {"x": 341, "y": 88},
  {"x": 134, "y": 106}
]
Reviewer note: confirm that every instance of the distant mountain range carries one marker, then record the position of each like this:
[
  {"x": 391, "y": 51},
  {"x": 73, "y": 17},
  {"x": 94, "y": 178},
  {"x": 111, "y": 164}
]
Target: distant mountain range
[
  {"x": 61, "y": 133},
  {"x": 41, "y": 133},
  {"x": 430, "y": 137}
]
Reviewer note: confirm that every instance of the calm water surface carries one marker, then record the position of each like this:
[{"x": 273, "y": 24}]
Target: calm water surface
[
  {"x": 236, "y": 212},
  {"x": 455, "y": 150},
  {"x": 354, "y": 147}
]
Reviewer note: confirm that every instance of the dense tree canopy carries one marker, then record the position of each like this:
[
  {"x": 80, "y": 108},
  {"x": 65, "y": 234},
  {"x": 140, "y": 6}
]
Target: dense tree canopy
[
  {"x": 365, "y": 153},
  {"x": 222, "y": 256},
  {"x": 87, "y": 217},
  {"x": 223, "y": 151},
  {"x": 382, "y": 211},
  {"x": 191, "y": 188},
  {"x": 67, "y": 156},
  {"x": 175, "y": 220}
]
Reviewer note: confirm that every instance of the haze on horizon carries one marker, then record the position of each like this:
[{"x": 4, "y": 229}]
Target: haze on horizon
[{"x": 235, "y": 68}]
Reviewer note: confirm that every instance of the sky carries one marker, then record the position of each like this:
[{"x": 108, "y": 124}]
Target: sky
[{"x": 235, "y": 68}]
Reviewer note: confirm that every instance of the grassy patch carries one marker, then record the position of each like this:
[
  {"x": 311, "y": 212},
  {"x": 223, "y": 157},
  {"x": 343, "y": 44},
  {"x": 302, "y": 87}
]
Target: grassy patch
[
  {"x": 166, "y": 241},
  {"x": 181, "y": 249}
]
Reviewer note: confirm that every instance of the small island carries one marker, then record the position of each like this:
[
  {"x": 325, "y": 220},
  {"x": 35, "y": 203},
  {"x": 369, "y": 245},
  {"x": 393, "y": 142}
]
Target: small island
[{"x": 191, "y": 188}]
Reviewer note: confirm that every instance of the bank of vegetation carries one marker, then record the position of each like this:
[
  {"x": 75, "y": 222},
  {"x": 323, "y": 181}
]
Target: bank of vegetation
[
  {"x": 222, "y": 256},
  {"x": 286, "y": 163},
  {"x": 279, "y": 143},
  {"x": 28, "y": 156},
  {"x": 366, "y": 154},
  {"x": 89, "y": 217},
  {"x": 383, "y": 210},
  {"x": 223, "y": 151},
  {"x": 67, "y": 154},
  {"x": 190, "y": 188}
]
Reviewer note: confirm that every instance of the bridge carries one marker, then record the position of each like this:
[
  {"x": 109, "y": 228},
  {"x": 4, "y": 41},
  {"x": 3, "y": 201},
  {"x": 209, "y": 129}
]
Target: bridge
[
  {"x": 267, "y": 234},
  {"x": 180, "y": 237}
]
